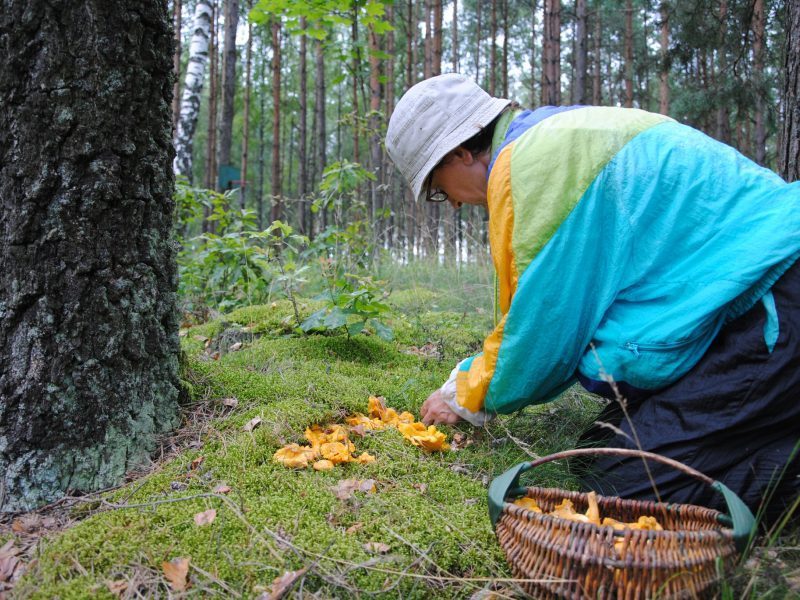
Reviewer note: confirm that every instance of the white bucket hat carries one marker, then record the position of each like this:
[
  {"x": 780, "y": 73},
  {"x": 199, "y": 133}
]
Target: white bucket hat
[{"x": 434, "y": 117}]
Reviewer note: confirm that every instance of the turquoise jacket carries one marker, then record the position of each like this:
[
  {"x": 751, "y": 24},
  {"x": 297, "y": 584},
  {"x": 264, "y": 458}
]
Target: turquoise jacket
[{"x": 623, "y": 241}]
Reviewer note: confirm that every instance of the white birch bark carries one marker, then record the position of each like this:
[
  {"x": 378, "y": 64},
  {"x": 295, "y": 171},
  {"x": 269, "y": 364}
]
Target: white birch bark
[{"x": 192, "y": 89}]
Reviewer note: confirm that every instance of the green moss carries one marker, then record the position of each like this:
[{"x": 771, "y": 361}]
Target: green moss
[{"x": 429, "y": 508}]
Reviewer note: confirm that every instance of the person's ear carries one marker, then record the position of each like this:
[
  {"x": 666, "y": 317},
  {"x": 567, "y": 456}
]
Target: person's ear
[{"x": 464, "y": 155}]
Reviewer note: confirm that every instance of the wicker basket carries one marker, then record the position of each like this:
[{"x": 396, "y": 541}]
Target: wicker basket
[{"x": 558, "y": 558}]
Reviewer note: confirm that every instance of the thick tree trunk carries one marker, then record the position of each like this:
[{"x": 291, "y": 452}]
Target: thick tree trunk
[
  {"x": 428, "y": 44},
  {"x": 663, "y": 87},
  {"x": 192, "y": 89},
  {"x": 581, "y": 52},
  {"x": 89, "y": 327},
  {"x": 789, "y": 151},
  {"x": 228, "y": 82},
  {"x": 277, "y": 201},
  {"x": 436, "y": 65}
]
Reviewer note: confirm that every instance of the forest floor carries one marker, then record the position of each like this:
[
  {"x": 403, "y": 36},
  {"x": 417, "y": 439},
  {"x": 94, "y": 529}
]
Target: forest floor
[{"x": 412, "y": 524}]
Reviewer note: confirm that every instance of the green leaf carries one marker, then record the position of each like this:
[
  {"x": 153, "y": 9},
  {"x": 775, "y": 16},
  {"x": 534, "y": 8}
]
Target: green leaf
[
  {"x": 314, "y": 321},
  {"x": 335, "y": 319},
  {"x": 383, "y": 331},
  {"x": 356, "y": 328}
]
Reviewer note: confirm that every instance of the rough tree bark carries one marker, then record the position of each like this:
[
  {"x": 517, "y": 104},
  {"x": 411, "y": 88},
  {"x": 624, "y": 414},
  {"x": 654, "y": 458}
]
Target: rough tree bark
[
  {"x": 228, "y": 82},
  {"x": 88, "y": 319},
  {"x": 551, "y": 53},
  {"x": 192, "y": 89},
  {"x": 213, "y": 93},
  {"x": 789, "y": 152}
]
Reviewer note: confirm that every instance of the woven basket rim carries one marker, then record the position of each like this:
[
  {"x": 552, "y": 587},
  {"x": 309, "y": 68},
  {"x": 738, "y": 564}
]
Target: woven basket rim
[{"x": 648, "y": 505}]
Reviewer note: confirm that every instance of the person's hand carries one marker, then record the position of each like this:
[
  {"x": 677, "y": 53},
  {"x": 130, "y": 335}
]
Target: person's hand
[{"x": 435, "y": 410}]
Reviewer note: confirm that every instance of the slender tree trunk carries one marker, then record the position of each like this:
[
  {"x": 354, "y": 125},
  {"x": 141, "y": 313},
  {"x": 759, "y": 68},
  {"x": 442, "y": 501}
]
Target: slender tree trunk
[
  {"x": 663, "y": 96},
  {"x": 261, "y": 141},
  {"x": 505, "y": 48},
  {"x": 581, "y": 52},
  {"x": 428, "y": 44},
  {"x": 478, "y": 40},
  {"x": 246, "y": 115},
  {"x": 629, "y": 53},
  {"x": 789, "y": 150},
  {"x": 176, "y": 64},
  {"x": 302, "y": 189},
  {"x": 228, "y": 82},
  {"x": 89, "y": 328},
  {"x": 374, "y": 124},
  {"x": 551, "y": 56},
  {"x": 533, "y": 95},
  {"x": 356, "y": 66},
  {"x": 277, "y": 200},
  {"x": 211, "y": 140},
  {"x": 389, "y": 178},
  {"x": 723, "y": 112},
  {"x": 320, "y": 99},
  {"x": 192, "y": 89},
  {"x": 597, "y": 85},
  {"x": 455, "y": 36},
  {"x": 758, "y": 76},
  {"x": 436, "y": 66},
  {"x": 410, "y": 39},
  {"x": 493, "y": 49}
]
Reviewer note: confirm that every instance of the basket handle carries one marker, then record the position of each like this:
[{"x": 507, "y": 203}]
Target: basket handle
[{"x": 508, "y": 483}]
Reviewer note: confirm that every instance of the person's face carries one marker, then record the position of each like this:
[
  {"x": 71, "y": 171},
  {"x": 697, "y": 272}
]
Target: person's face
[{"x": 462, "y": 176}]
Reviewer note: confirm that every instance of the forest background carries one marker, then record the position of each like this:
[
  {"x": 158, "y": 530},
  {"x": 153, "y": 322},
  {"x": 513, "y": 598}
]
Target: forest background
[{"x": 289, "y": 221}]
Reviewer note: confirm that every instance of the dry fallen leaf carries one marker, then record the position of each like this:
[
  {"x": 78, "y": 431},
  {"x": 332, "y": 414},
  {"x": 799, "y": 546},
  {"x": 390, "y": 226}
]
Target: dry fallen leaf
[
  {"x": 422, "y": 487},
  {"x": 346, "y": 487},
  {"x": 230, "y": 402},
  {"x": 461, "y": 441},
  {"x": 235, "y": 347},
  {"x": 282, "y": 584},
  {"x": 200, "y": 338},
  {"x": 176, "y": 573},
  {"x": 252, "y": 424},
  {"x": 196, "y": 462},
  {"x": 206, "y": 517},
  {"x": 215, "y": 355},
  {"x": 10, "y": 565},
  {"x": 26, "y": 523},
  {"x": 354, "y": 527},
  {"x": 222, "y": 489},
  {"x": 377, "y": 547},
  {"x": 117, "y": 587}
]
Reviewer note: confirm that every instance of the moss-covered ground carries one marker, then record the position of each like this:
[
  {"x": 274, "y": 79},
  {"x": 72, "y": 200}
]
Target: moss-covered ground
[{"x": 428, "y": 509}]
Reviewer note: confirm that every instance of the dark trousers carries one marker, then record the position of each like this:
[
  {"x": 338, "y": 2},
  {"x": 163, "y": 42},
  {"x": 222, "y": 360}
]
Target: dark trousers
[{"x": 734, "y": 417}]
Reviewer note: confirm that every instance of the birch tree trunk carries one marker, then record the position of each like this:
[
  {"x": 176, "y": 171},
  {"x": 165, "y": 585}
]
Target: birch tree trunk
[
  {"x": 89, "y": 328},
  {"x": 789, "y": 150},
  {"x": 228, "y": 82},
  {"x": 192, "y": 89},
  {"x": 176, "y": 64}
]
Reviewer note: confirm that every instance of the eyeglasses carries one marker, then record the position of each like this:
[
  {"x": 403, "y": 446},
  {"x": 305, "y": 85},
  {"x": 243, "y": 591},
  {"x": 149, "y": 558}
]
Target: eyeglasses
[{"x": 434, "y": 195}]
